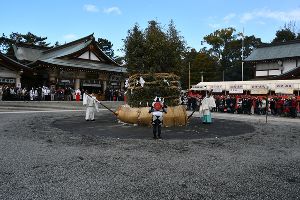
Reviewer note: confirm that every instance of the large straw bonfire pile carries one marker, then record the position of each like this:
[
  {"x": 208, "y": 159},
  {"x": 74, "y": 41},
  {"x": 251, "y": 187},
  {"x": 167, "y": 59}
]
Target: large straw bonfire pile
[{"x": 141, "y": 91}]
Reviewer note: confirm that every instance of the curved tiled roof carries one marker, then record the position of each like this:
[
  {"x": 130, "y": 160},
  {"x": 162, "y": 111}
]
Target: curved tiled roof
[
  {"x": 84, "y": 64},
  {"x": 13, "y": 62},
  {"x": 64, "y": 56},
  {"x": 276, "y": 51}
]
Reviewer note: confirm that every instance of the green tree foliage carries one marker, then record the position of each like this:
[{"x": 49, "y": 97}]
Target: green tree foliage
[
  {"x": 106, "y": 46},
  {"x": 56, "y": 44},
  {"x": 204, "y": 65},
  {"x": 153, "y": 49},
  {"x": 156, "y": 45},
  {"x": 120, "y": 60},
  {"x": 6, "y": 42},
  {"x": 189, "y": 57},
  {"x": 286, "y": 33},
  {"x": 226, "y": 46},
  {"x": 219, "y": 41},
  {"x": 134, "y": 46}
]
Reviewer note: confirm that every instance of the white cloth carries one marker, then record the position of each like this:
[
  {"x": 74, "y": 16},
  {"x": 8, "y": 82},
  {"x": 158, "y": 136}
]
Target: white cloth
[
  {"x": 207, "y": 104},
  {"x": 1, "y": 92},
  {"x": 166, "y": 82},
  {"x": 32, "y": 94},
  {"x": 92, "y": 106},
  {"x": 142, "y": 81},
  {"x": 157, "y": 113},
  {"x": 78, "y": 92},
  {"x": 84, "y": 99},
  {"x": 126, "y": 83}
]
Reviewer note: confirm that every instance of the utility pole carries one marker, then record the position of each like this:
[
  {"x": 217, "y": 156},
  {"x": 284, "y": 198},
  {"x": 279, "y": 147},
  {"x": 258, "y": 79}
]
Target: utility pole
[
  {"x": 201, "y": 76},
  {"x": 243, "y": 55},
  {"x": 189, "y": 75},
  {"x": 223, "y": 75}
]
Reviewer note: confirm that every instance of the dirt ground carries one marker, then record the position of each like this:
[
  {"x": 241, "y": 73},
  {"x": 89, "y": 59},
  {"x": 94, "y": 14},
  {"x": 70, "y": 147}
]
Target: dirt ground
[{"x": 61, "y": 156}]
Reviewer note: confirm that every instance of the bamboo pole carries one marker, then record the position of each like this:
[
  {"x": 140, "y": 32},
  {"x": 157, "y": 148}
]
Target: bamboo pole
[{"x": 103, "y": 105}]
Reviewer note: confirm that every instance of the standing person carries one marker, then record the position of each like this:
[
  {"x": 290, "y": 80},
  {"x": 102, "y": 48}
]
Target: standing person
[
  {"x": 157, "y": 109},
  {"x": 52, "y": 93},
  {"x": 92, "y": 106},
  {"x": 1, "y": 92},
  {"x": 32, "y": 94},
  {"x": 293, "y": 108},
  {"x": 205, "y": 109},
  {"x": 23, "y": 94},
  {"x": 44, "y": 93},
  {"x": 39, "y": 93},
  {"x": 279, "y": 106},
  {"x": 47, "y": 94},
  {"x": 77, "y": 94},
  {"x": 272, "y": 106}
]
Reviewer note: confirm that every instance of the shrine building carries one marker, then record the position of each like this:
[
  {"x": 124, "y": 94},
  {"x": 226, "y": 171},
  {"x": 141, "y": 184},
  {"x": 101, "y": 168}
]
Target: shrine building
[
  {"x": 12, "y": 71},
  {"x": 77, "y": 64}
]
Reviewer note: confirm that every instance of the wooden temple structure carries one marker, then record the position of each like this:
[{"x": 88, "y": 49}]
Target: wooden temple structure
[
  {"x": 77, "y": 64},
  {"x": 12, "y": 71},
  {"x": 279, "y": 61}
]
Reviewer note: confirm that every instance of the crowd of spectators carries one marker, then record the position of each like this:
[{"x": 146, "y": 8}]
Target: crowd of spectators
[
  {"x": 240, "y": 104},
  {"x": 275, "y": 105},
  {"x": 11, "y": 93},
  {"x": 245, "y": 104},
  {"x": 113, "y": 95}
]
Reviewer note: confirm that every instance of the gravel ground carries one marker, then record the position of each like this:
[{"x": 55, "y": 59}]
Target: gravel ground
[{"x": 60, "y": 156}]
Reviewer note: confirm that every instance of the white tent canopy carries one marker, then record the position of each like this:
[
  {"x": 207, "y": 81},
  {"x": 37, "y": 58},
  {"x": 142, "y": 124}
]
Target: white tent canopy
[{"x": 248, "y": 85}]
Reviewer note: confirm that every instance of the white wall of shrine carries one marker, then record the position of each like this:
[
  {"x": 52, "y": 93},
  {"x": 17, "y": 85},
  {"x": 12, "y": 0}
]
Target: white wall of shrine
[
  {"x": 275, "y": 68},
  {"x": 8, "y": 75},
  {"x": 88, "y": 55}
]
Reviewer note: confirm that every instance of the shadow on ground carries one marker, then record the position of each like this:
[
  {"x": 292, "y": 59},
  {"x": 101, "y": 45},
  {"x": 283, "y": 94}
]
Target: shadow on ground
[{"x": 107, "y": 126}]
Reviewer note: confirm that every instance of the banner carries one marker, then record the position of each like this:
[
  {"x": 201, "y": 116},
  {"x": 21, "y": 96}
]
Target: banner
[
  {"x": 259, "y": 89},
  {"x": 284, "y": 88},
  {"x": 236, "y": 89},
  {"x": 91, "y": 85},
  {"x": 7, "y": 80},
  {"x": 199, "y": 87},
  {"x": 217, "y": 89}
]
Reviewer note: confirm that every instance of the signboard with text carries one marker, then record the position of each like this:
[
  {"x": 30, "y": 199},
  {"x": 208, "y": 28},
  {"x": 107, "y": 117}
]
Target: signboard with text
[
  {"x": 199, "y": 87},
  {"x": 284, "y": 88},
  {"x": 217, "y": 89},
  {"x": 259, "y": 89},
  {"x": 236, "y": 89},
  {"x": 7, "y": 80}
]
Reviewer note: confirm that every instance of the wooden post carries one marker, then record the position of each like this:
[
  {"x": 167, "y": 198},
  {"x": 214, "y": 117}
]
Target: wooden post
[
  {"x": 267, "y": 106},
  {"x": 189, "y": 75}
]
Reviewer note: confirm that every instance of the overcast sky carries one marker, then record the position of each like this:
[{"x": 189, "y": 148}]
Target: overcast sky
[{"x": 67, "y": 20}]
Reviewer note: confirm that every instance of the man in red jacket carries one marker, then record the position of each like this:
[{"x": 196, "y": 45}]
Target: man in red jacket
[{"x": 293, "y": 109}]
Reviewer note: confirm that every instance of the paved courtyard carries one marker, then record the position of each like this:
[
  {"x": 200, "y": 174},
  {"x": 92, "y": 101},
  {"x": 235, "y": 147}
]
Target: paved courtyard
[{"x": 58, "y": 155}]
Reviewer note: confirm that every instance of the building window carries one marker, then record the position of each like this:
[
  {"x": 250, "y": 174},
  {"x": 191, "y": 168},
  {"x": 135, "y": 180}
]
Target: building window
[{"x": 261, "y": 73}]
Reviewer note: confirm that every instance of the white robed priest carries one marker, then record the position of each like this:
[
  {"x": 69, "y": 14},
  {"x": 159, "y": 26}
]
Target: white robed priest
[
  {"x": 205, "y": 108},
  {"x": 91, "y": 104}
]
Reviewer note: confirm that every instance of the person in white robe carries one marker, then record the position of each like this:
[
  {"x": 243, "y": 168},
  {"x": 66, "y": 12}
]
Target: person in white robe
[
  {"x": 91, "y": 104},
  {"x": 32, "y": 94},
  {"x": 205, "y": 109}
]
